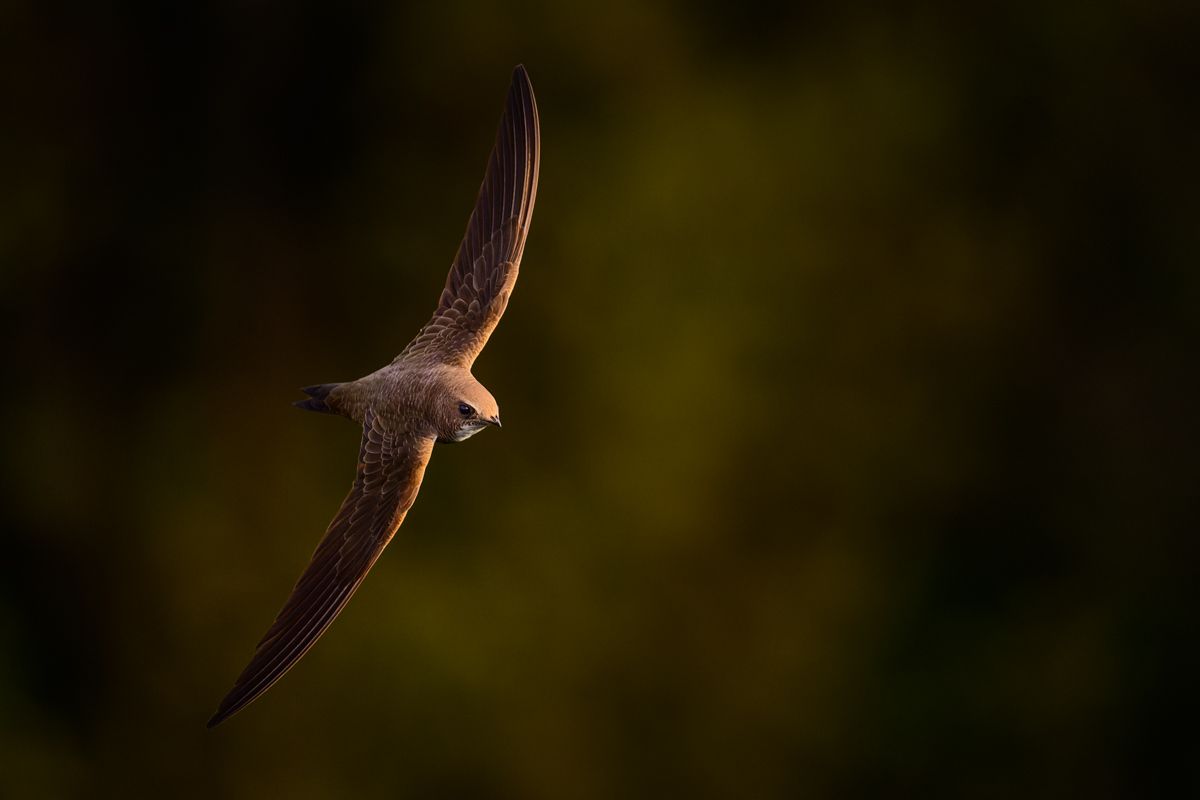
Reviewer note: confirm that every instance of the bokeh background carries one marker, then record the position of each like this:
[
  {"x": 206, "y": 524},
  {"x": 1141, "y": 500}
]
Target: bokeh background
[{"x": 848, "y": 445}]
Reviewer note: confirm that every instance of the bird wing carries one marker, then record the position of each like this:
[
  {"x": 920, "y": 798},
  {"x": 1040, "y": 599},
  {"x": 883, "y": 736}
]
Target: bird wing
[
  {"x": 485, "y": 267},
  {"x": 390, "y": 467}
]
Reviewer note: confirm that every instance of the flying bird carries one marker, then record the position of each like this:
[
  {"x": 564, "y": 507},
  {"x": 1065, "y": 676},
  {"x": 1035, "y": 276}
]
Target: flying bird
[{"x": 426, "y": 395}]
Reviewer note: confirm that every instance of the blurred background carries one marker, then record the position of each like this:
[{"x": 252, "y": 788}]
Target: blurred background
[{"x": 848, "y": 443}]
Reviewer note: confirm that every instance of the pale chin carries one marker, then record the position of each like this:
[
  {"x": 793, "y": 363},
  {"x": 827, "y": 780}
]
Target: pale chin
[{"x": 469, "y": 430}]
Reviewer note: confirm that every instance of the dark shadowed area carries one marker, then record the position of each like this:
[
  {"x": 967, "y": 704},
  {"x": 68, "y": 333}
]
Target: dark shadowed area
[{"x": 849, "y": 440}]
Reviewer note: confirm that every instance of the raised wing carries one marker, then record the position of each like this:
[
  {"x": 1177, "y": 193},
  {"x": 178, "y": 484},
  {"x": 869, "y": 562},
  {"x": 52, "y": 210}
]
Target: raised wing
[
  {"x": 485, "y": 268},
  {"x": 390, "y": 467}
]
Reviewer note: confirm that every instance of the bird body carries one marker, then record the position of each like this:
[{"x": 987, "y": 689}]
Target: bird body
[
  {"x": 426, "y": 395},
  {"x": 423, "y": 398}
]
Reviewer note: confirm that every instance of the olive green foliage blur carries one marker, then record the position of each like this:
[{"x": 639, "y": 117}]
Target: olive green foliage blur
[{"x": 845, "y": 444}]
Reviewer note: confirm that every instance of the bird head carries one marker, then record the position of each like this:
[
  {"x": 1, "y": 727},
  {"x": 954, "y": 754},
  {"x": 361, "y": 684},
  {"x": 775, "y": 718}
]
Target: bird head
[{"x": 466, "y": 409}]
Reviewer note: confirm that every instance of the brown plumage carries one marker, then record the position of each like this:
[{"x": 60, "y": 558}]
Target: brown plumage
[{"x": 426, "y": 395}]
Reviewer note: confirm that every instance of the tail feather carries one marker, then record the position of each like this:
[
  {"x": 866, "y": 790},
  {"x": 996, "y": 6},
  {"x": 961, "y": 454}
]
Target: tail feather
[{"x": 317, "y": 398}]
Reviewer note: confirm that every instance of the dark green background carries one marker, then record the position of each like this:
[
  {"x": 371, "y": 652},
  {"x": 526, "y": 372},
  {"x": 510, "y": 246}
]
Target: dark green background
[{"x": 847, "y": 446}]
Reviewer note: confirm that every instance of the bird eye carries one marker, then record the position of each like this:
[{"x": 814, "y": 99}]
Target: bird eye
[{"x": 465, "y": 409}]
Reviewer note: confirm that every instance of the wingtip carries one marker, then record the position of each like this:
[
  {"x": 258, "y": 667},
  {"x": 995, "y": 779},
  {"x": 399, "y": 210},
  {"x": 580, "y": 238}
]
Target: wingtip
[
  {"x": 224, "y": 711},
  {"x": 521, "y": 97}
]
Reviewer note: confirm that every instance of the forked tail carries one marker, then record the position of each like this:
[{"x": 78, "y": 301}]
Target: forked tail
[{"x": 316, "y": 398}]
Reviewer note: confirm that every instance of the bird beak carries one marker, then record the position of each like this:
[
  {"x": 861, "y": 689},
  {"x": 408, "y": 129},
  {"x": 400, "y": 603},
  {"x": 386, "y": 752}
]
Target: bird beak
[{"x": 494, "y": 421}]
